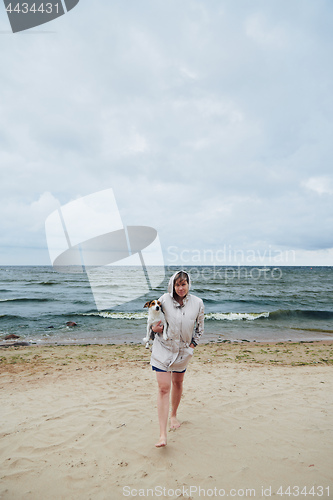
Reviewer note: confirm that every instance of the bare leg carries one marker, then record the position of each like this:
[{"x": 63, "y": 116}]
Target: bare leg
[
  {"x": 176, "y": 394},
  {"x": 164, "y": 384}
]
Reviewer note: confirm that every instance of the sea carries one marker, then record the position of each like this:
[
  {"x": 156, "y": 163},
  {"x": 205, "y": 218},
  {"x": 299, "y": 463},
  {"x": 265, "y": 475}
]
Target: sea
[{"x": 242, "y": 303}]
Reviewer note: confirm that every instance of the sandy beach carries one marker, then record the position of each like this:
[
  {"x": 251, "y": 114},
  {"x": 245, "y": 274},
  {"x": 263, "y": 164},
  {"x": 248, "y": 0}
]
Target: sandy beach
[{"x": 80, "y": 422}]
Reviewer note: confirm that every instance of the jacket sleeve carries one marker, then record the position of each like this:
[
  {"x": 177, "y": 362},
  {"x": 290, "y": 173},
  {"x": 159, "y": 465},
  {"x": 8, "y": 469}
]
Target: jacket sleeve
[{"x": 199, "y": 329}]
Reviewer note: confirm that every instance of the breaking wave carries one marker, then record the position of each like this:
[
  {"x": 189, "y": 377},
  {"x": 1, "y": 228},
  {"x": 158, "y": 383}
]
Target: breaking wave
[{"x": 228, "y": 316}]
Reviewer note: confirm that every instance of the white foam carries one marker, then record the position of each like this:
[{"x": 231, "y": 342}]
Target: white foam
[
  {"x": 236, "y": 316},
  {"x": 215, "y": 316},
  {"x": 119, "y": 315}
]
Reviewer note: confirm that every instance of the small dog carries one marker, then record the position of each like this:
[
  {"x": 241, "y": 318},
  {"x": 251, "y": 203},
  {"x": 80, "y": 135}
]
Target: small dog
[{"x": 155, "y": 314}]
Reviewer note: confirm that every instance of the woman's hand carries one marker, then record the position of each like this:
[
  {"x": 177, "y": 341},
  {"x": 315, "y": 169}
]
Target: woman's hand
[{"x": 158, "y": 328}]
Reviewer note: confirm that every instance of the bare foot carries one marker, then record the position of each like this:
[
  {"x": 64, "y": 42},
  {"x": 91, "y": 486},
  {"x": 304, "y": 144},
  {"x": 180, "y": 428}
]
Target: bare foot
[
  {"x": 161, "y": 442},
  {"x": 174, "y": 423}
]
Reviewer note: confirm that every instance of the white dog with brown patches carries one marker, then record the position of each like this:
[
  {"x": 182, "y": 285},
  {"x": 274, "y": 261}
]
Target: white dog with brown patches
[{"x": 155, "y": 315}]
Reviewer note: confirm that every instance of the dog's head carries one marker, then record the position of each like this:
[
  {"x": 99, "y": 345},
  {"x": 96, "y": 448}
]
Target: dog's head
[{"x": 155, "y": 305}]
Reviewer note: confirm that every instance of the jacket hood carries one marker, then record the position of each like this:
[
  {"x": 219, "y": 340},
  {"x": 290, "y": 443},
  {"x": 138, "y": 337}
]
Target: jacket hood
[{"x": 172, "y": 279}]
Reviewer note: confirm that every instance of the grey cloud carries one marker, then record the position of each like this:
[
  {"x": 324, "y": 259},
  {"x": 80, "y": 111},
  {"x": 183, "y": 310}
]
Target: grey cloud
[{"x": 207, "y": 119}]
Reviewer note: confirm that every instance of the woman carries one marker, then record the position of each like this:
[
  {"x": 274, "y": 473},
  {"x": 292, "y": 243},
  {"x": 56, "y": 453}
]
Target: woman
[{"x": 184, "y": 314}]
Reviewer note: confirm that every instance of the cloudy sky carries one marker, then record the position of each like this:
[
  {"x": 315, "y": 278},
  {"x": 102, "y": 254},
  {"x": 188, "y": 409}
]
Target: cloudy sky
[{"x": 211, "y": 120}]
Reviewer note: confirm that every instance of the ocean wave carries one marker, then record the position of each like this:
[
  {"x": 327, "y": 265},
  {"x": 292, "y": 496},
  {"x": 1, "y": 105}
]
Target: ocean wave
[
  {"x": 118, "y": 315},
  {"x": 272, "y": 315},
  {"x": 208, "y": 316},
  {"x": 46, "y": 283},
  {"x": 300, "y": 313},
  {"x": 236, "y": 316},
  {"x": 11, "y": 316},
  {"x": 226, "y": 316},
  {"x": 23, "y": 299}
]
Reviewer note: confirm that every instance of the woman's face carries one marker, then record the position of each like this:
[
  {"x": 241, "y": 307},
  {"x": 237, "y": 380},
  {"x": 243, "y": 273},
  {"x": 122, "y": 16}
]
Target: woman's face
[{"x": 181, "y": 288}]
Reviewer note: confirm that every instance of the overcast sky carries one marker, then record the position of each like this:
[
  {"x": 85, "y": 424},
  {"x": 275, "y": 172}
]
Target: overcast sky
[{"x": 211, "y": 120}]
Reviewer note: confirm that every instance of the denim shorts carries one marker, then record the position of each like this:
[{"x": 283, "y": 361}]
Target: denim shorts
[{"x": 165, "y": 371}]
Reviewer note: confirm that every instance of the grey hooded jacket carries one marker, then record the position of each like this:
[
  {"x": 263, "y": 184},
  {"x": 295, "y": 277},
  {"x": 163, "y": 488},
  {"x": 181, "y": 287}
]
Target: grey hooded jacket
[{"x": 185, "y": 323}]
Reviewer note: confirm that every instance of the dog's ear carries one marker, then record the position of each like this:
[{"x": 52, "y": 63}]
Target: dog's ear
[{"x": 146, "y": 304}]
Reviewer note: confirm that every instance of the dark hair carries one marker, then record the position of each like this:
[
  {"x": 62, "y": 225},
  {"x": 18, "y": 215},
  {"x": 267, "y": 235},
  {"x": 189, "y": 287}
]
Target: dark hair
[{"x": 181, "y": 276}]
